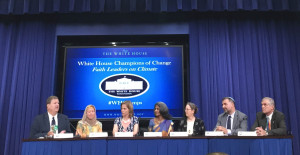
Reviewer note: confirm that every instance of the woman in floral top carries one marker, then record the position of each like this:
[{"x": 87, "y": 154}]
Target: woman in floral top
[
  {"x": 88, "y": 123},
  {"x": 128, "y": 122}
]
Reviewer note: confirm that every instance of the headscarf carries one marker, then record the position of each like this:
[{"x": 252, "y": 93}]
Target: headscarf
[{"x": 86, "y": 120}]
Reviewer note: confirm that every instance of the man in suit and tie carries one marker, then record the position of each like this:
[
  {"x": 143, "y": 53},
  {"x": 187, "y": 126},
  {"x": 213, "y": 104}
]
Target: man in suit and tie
[
  {"x": 41, "y": 125},
  {"x": 232, "y": 120},
  {"x": 269, "y": 121}
]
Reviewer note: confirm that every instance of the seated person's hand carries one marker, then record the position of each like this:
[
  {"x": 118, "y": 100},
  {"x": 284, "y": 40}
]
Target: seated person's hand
[
  {"x": 63, "y": 131},
  {"x": 260, "y": 131},
  {"x": 221, "y": 128},
  {"x": 50, "y": 133}
]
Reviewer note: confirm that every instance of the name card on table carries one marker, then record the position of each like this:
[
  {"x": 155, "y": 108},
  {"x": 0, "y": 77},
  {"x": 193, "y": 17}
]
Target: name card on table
[
  {"x": 98, "y": 134},
  {"x": 63, "y": 135},
  {"x": 214, "y": 133},
  {"x": 179, "y": 134},
  {"x": 247, "y": 133},
  {"x": 152, "y": 134},
  {"x": 124, "y": 134}
]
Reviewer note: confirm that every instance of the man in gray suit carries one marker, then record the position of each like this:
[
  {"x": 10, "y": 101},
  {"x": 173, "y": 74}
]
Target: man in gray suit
[{"x": 232, "y": 120}]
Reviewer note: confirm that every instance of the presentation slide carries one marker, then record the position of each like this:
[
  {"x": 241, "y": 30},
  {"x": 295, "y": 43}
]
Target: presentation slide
[{"x": 107, "y": 76}]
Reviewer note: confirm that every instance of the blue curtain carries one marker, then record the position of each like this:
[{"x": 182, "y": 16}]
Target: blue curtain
[
  {"x": 100, "y": 6},
  {"x": 246, "y": 59},
  {"x": 26, "y": 67}
]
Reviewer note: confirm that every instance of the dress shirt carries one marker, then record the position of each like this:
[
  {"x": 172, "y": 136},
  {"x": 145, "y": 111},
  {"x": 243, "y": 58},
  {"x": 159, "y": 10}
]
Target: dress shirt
[{"x": 50, "y": 119}]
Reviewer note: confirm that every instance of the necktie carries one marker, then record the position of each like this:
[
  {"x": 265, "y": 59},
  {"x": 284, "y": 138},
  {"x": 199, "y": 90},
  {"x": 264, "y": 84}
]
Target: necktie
[
  {"x": 268, "y": 125},
  {"x": 229, "y": 122},
  {"x": 53, "y": 121}
]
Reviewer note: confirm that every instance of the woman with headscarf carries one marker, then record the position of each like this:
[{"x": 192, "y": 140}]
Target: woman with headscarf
[
  {"x": 128, "y": 122},
  {"x": 191, "y": 124},
  {"x": 162, "y": 121},
  {"x": 89, "y": 123}
]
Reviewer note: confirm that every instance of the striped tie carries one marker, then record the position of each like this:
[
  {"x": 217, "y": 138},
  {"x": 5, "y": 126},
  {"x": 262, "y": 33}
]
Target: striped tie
[{"x": 268, "y": 124}]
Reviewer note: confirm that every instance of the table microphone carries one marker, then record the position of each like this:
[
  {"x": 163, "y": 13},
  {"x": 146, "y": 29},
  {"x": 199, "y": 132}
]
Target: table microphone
[{"x": 75, "y": 136}]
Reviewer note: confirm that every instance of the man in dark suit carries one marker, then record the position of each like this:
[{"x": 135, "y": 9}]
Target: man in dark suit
[
  {"x": 41, "y": 125},
  {"x": 269, "y": 121},
  {"x": 232, "y": 120}
]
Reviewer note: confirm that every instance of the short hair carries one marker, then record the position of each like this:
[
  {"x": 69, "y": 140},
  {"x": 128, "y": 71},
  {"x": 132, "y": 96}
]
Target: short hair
[
  {"x": 163, "y": 110},
  {"x": 129, "y": 106},
  {"x": 272, "y": 102},
  {"x": 230, "y": 99},
  {"x": 50, "y": 98},
  {"x": 193, "y": 107}
]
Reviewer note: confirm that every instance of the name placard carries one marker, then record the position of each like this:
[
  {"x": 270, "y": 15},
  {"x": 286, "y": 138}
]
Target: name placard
[
  {"x": 124, "y": 134},
  {"x": 152, "y": 134},
  {"x": 179, "y": 134},
  {"x": 63, "y": 135},
  {"x": 247, "y": 133},
  {"x": 98, "y": 134},
  {"x": 214, "y": 133}
]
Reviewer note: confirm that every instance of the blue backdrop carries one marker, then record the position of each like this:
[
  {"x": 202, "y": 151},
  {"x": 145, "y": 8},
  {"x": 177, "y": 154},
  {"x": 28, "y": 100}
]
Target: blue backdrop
[
  {"x": 163, "y": 82},
  {"x": 245, "y": 58}
]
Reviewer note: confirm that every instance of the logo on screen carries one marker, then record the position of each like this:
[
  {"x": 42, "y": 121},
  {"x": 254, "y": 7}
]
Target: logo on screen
[{"x": 124, "y": 85}]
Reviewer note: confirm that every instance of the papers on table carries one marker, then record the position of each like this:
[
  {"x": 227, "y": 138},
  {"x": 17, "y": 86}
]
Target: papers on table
[
  {"x": 214, "y": 133},
  {"x": 179, "y": 134},
  {"x": 152, "y": 134},
  {"x": 124, "y": 134},
  {"x": 63, "y": 135},
  {"x": 247, "y": 133},
  {"x": 98, "y": 134}
]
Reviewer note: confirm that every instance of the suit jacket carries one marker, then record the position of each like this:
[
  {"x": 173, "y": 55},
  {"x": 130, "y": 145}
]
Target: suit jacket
[
  {"x": 41, "y": 125},
  {"x": 278, "y": 126},
  {"x": 239, "y": 122},
  {"x": 198, "y": 129}
]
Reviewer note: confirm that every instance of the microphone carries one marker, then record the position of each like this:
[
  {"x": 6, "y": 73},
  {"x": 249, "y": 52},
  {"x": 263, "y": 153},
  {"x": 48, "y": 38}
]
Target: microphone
[{"x": 75, "y": 136}]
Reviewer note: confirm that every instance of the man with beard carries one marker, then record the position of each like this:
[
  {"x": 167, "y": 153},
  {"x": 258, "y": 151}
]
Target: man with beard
[
  {"x": 44, "y": 124},
  {"x": 232, "y": 120}
]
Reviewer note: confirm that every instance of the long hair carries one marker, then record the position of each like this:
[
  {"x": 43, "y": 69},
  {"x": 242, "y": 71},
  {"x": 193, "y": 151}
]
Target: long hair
[
  {"x": 163, "y": 110},
  {"x": 129, "y": 106}
]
